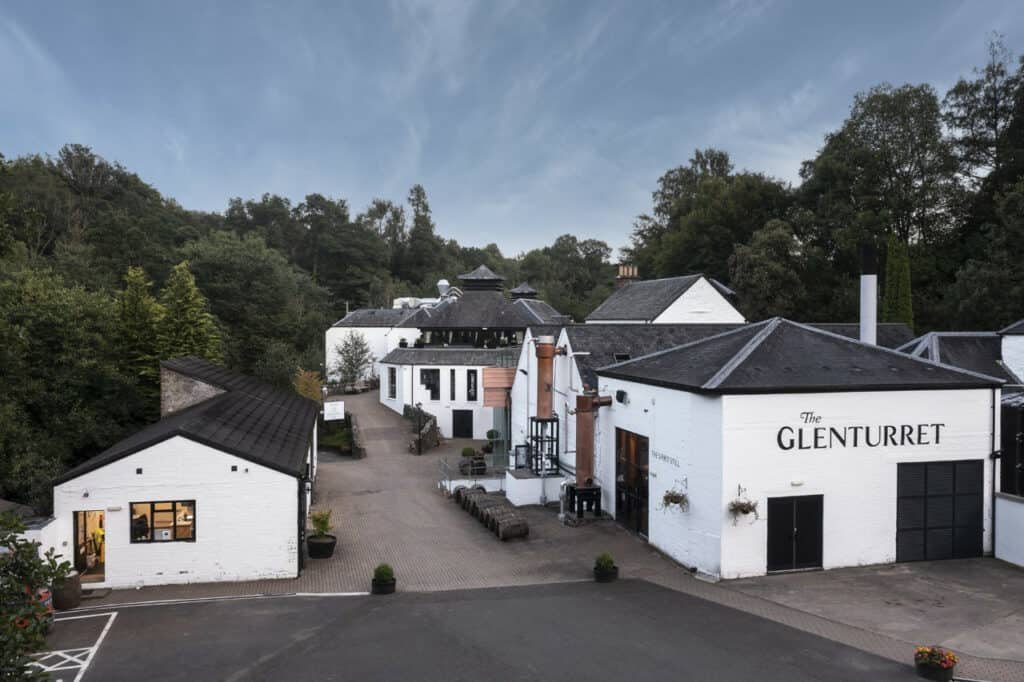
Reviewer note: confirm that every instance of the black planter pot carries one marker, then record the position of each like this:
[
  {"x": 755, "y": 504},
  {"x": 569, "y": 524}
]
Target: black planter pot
[
  {"x": 383, "y": 586},
  {"x": 934, "y": 672},
  {"x": 606, "y": 576},
  {"x": 68, "y": 595},
  {"x": 321, "y": 546}
]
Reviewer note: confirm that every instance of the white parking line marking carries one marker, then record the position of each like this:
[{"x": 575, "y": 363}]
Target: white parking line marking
[{"x": 73, "y": 659}]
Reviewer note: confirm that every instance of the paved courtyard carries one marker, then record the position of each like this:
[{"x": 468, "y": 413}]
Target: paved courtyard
[{"x": 387, "y": 508}]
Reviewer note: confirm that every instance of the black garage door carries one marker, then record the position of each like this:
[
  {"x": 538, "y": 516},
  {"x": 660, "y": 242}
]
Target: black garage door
[
  {"x": 462, "y": 423},
  {"x": 939, "y": 510}
]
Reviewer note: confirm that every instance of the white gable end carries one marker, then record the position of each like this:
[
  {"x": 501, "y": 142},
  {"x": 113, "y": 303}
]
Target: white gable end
[{"x": 702, "y": 302}]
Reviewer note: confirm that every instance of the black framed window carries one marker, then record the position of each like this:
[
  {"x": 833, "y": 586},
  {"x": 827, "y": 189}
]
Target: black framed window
[
  {"x": 173, "y": 521},
  {"x": 430, "y": 379},
  {"x": 392, "y": 383},
  {"x": 451, "y": 385},
  {"x": 471, "y": 385}
]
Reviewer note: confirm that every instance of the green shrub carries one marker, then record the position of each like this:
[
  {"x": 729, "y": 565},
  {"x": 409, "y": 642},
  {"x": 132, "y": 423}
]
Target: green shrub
[
  {"x": 468, "y": 452},
  {"x": 604, "y": 562},
  {"x": 383, "y": 572},
  {"x": 321, "y": 522},
  {"x": 493, "y": 434}
]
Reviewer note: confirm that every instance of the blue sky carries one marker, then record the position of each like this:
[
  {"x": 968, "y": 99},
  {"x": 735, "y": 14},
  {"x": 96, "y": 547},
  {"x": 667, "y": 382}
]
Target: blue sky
[{"x": 523, "y": 120}]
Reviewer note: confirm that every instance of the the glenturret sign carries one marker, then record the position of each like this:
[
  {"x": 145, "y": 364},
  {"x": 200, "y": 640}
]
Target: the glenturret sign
[{"x": 810, "y": 436}]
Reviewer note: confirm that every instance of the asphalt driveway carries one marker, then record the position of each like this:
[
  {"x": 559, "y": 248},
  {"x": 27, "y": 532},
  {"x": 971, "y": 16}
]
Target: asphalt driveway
[{"x": 580, "y": 631}]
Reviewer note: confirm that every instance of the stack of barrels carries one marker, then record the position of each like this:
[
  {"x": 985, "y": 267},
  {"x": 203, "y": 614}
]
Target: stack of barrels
[{"x": 493, "y": 510}]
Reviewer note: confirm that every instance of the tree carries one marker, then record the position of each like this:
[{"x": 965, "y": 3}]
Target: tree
[
  {"x": 897, "y": 304},
  {"x": 978, "y": 111},
  {"x": 23, "y": 618},
  {"x": 766, "y": 273},
  {"x": 354, "y": 358},
  {"x": 424, "y": 250},
  {"x": 307, "y": 383},
  {"x": 187, "y": 327},
  {"x": 141, "y": 316}
]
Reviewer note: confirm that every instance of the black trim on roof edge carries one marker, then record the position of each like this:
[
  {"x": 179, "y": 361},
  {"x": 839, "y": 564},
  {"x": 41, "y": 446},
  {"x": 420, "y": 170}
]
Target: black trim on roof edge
[{"x": 87, "y": 468}]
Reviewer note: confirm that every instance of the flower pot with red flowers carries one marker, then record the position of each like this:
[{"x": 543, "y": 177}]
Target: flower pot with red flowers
[{"x": 935, "y": 662}]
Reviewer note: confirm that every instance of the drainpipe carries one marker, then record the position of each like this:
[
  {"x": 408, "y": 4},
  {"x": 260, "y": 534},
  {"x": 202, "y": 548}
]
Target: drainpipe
[{"x": 996, "y": 454}]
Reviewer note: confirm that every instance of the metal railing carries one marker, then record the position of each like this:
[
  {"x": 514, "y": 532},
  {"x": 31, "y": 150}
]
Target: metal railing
[{"x": 481, "y": 466}]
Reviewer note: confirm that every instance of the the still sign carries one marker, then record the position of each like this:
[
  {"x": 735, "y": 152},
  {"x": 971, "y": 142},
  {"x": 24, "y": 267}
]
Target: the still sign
[{"x": 334, "y": 410}]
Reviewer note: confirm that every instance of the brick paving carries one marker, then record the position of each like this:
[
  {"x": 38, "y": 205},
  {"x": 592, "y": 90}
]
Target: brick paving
[{"x": 387, "y": 508}]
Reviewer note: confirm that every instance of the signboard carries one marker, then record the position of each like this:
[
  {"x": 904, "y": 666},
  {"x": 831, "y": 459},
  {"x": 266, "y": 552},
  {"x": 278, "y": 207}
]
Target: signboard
[
  {"x": 810, "y": 436},
  {"x": 334, "y": 410}
]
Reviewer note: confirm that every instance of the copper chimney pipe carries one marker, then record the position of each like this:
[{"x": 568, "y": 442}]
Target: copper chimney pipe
[
  {"x": 587, "y": 405},
  {"x": 545, "y": 376}
]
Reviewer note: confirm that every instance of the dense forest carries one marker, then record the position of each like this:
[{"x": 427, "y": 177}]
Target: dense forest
[{"x": 101, "y": 276}]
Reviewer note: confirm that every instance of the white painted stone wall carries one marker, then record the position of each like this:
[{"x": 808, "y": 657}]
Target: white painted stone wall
[
  {"x": 382, "y": 340},
  {"x": 525, "y": 491},
  {"x": 684, "y": 430},
  {"x": 702, "y": 302},
  {"x": 410, "y": 391},
  {"x": 858, "y": 484},
  {"x": 246, "y": 520},
  {"x": 1010, "y": 528},
  {"x": 1013, "y": 353},
  {"x": 523, "y": 396},
  {"x": 707, "y": 447}
]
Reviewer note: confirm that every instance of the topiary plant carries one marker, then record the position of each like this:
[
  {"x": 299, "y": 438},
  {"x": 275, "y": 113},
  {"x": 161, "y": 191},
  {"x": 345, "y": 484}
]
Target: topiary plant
[
  {"x": 321, "y": 522},
  {"x": 604, "y": 562},
  {"x": 468, "y": 452},
  {"x": 493, "y": 434},
  {"x": 383, "y": 572}
]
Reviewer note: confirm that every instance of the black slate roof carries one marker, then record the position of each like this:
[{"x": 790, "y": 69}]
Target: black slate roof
[
  {"x": 251, "y": 420},
  {"x": 1015, "y": 329},
  {"x": 888, "y": 334},
  {"x": 607, "y": 344},
  {"x": 481, "y": 274},
  {"x": 479, "y": 357},
  {"x": 483, "y": 309},
  {"x": 524, "y": 290},
  {"x": 975, "y": 351},
  {"x": 375, "y": 317},
  {"x": 780, "y": 356},
  {"x": 646, "y": 299}
]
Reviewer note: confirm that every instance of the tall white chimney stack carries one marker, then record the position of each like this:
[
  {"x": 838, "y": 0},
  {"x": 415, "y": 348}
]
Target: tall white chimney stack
[{"x": 868, "y": 294}]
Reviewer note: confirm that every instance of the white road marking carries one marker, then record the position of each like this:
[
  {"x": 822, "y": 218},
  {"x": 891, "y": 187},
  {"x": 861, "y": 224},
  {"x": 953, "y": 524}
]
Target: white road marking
[
  {"x": 73, "y": 659},
  {"x": 200, "y": 600},
  {"x": 331, "y": 594}
]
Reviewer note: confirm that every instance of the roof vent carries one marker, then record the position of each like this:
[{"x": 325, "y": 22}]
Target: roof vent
[
  {"x": 443, "y": 286},
  {"x": 621, "y": 357}
]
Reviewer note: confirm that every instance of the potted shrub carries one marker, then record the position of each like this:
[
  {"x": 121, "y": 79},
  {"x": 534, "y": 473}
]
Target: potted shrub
[
  {"x": 605, "y": 570},
  {"x": 934, "y": 662},
  {"x": 320, "y": 544},
  {"x": 403, "y": 343},
  {"x": 383, "y": 580}
]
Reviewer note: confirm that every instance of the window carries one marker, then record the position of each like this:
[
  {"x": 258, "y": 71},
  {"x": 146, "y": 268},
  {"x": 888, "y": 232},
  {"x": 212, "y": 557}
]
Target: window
[
  {"x": 163, "y": 521},
  {"x": 451, "y": 387},
  {"x": 392, "y": 383},
  {"x": 430, "y": 379},
  {"x": 471, "y": 385}
]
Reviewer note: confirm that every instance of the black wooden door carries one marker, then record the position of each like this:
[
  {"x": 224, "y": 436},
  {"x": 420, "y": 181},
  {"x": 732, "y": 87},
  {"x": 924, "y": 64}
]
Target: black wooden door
[
  {"x": 632, "y": 459},
  {"x": 462, "y": 423},
  {"x": 939, "y": 510},
  {"x": 795, "y": 532}
]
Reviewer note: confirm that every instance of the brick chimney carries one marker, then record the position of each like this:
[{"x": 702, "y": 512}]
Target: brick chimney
[{"x": 627, "y": 273}]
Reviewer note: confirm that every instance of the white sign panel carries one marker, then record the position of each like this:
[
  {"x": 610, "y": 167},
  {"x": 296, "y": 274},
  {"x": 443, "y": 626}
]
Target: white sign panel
[{"x": 334, "y": 410}]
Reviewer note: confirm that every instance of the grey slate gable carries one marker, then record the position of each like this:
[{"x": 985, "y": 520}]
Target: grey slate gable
[
  {"x": 780, "y": 356},
  {"x": 975, "y": 351},
  {"x": 251, "y": 420},
  {"x": 375, "y": 317},
  {"x": 476, "y": 357},
  {"x": 643, "y": 300}
]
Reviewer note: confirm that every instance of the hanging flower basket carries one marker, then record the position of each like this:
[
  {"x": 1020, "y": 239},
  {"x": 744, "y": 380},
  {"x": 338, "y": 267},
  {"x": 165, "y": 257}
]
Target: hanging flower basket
[
  {"x": 741, "y": 507},
  {"x": 675, "y": 497}
]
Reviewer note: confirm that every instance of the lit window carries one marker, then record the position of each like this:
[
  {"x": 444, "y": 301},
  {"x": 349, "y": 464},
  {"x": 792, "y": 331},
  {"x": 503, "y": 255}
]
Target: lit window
[
  {"x": 471, "y": 385},
  {"x": 163, "y": 521}
]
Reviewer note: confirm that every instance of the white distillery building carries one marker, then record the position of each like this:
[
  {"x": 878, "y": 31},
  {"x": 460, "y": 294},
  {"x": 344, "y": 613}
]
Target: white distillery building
[
  {"x": 672, "y": 300},
  {"x": 459, "y": 367},
  {"x": 217, "y": 490},
  {"x": 844, "y": 453},
  {"x": 580, "y": 351},
  {"x": 383, "y": 330},
  {"x": 1000, "y": 354}
]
